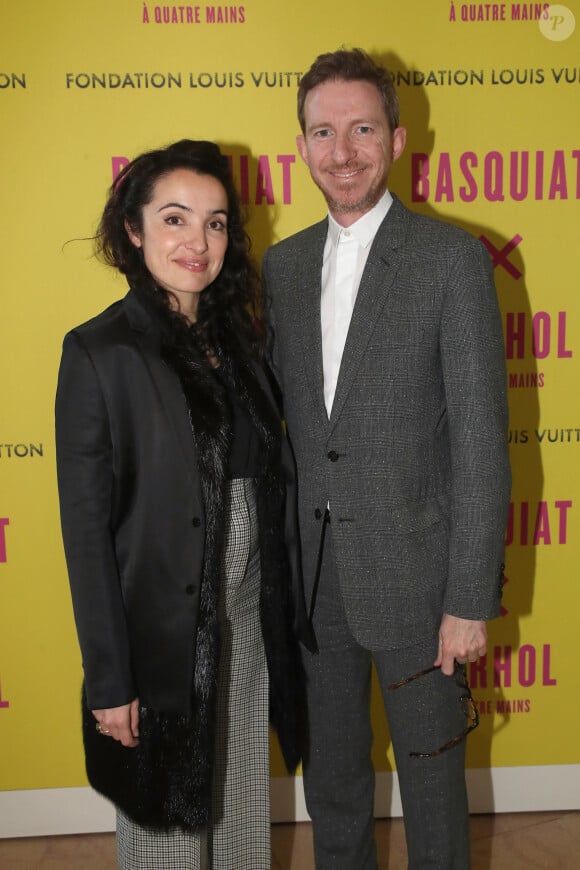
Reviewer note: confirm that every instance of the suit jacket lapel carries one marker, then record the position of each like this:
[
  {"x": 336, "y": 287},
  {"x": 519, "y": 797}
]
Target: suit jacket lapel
[
  {"x": 308, "y": 317},
  {"x": 167, "y": 383},
  {"x": 376, "y": 282}
]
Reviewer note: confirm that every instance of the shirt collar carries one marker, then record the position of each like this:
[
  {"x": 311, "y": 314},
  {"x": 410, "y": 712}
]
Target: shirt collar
[{"x": 365, "y": 228}]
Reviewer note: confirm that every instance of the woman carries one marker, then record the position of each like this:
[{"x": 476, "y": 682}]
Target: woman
[{"x": 175, "y": 487}]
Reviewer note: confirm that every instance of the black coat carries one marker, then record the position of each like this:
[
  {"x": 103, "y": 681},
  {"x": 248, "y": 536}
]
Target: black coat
[{"x": 142, "y": 512}]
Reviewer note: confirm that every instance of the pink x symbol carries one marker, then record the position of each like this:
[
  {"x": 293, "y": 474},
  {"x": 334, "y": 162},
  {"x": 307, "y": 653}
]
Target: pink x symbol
[{"x": 500, "y": 257}]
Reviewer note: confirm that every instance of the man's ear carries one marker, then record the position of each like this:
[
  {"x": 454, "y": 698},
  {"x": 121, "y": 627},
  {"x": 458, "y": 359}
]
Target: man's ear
[
  {"x": 398, "y": 142},
  {"x": 135, "y": 238},
  {"x": 301, "y": 145}
]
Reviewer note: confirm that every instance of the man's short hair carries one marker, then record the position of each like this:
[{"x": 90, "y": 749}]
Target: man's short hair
[{"x": 350, "y": 66}]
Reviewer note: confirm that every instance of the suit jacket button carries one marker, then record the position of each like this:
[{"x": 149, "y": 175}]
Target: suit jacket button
[
  {"x": 333, "y": 456},
  {"x": 317, "y": 513},
  {"x": 196, "y": 522},
  {"x": 190, "y": 589}
]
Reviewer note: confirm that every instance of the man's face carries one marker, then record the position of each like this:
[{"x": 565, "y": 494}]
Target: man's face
[{"x": 348, "y": 147}]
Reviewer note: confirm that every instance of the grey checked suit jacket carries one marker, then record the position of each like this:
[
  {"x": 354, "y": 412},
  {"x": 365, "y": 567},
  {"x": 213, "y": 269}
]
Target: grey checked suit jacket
[{"x": 414, "y": 458}]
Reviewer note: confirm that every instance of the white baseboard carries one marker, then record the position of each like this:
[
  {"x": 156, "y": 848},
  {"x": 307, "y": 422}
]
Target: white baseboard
[
  {"x": 42, "y": 812},
  {"x": 497, "y": 790}
]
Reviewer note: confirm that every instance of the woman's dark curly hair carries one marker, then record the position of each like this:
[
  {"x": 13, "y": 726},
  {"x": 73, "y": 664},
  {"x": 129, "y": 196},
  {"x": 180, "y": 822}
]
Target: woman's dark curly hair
[{"x": 226, "y": 315}]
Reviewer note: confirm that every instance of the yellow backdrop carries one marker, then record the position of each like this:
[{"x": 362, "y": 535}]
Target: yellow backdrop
[{"x": 489, "y": 95}]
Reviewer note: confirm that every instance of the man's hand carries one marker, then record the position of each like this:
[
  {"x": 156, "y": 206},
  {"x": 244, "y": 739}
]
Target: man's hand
[
  {"x": 120, "y": 723},
  {"x": 461, "y": 640}
]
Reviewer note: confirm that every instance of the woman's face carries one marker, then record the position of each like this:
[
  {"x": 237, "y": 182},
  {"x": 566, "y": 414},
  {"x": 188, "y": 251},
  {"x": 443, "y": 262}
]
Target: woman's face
[{"x": 184, "y": 237}]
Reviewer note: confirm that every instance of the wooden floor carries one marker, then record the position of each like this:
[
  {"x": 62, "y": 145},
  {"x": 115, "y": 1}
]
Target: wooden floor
[{"x": 518, "y": 841}]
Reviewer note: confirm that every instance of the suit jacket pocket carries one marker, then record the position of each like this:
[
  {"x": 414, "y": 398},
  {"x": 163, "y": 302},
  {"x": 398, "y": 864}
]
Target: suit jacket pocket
[{"x": 412, "y": 516}]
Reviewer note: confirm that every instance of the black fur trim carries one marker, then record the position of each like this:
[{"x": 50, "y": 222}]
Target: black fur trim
[
  {"x": 156, "y": 784},
  {"x": 286, "y": 678}
]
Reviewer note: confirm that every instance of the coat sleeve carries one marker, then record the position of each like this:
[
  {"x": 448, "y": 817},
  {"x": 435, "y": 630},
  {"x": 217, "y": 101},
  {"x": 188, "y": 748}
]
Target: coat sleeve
[
  {"x": 473, "y": 362},
  {"x": 84, "y": 455}
]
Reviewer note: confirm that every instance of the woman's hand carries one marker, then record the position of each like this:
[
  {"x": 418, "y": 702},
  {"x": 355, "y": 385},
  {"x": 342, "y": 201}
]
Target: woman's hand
[{"x": 120, "y": 723}]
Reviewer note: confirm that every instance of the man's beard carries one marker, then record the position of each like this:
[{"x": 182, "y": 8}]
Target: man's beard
[{"x": 363, "y": 204}]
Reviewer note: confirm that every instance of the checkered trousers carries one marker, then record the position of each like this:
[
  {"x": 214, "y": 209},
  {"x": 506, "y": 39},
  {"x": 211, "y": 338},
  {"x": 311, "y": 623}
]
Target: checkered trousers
[{"x": 238, "y": 836}]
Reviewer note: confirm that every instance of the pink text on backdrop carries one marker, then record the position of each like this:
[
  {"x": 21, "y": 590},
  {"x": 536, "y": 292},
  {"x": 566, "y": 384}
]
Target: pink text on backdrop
[
  {"x": 271, "y": 182},
  {"x": 518, "y": 175},
  {"x": 3, "y": 704},
  {"x": 530, "y": 666},
  {"x": 543, "y": 334},
  {"x": 4, "y": 521},
  {"x": 500, "y": 11},
  {"x": 535, "y": 523}
]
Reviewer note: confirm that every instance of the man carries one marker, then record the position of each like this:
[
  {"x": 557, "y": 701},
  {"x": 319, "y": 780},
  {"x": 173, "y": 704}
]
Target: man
[{"x": 388, "y": 347}]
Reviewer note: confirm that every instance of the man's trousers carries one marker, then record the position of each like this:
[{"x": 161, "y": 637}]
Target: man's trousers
[{"x": 422, "y": 715}]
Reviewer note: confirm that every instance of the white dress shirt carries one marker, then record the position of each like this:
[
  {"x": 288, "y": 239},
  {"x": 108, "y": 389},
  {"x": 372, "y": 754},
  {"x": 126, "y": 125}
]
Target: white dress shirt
[{"x": 345, "y": 256}]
